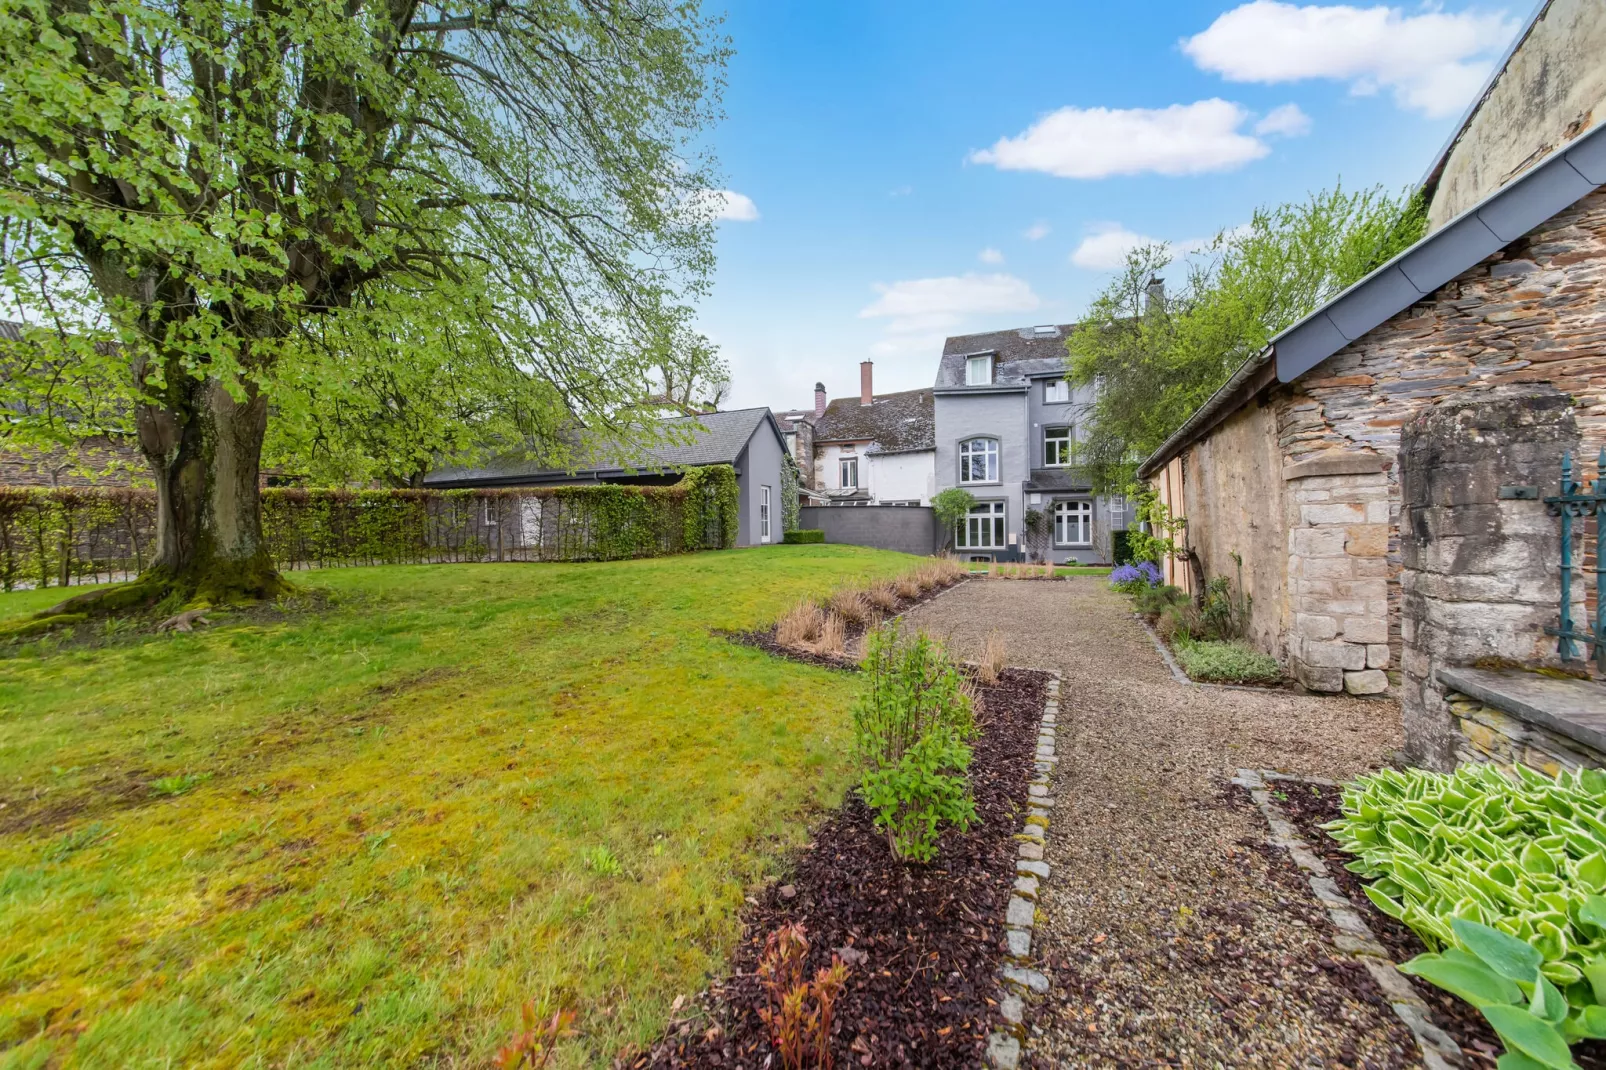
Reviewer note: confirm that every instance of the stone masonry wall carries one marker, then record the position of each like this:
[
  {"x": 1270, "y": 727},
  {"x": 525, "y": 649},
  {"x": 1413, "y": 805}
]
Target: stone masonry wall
[
  {"x": 1487, "y": 734},
  {"x": 1480, "y": 579},
  {"x": 1338, "y": 539}
]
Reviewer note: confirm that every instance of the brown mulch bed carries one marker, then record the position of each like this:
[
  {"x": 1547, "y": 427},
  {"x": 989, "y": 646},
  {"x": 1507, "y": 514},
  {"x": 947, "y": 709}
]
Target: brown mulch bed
[
  {"x": 925, "y": 940},
  {"x": 1309, "y": 806},
  {"x": 764, "y": 638}
]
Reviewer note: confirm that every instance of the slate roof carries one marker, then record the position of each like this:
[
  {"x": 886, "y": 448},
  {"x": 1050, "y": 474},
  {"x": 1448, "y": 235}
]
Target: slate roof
[
  {"x": 1020, "y": 353},
  {"x": 895, "y": 423},
  {"x": 713, "y": 438}
]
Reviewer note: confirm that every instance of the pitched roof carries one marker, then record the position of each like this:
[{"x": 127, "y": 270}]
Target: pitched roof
[
  {"x": 1020, "y": 353},
  {"x": 1567, "y": 176},
  {"x": 895, "y": 423},
  {"x": 709, "y": 438}
]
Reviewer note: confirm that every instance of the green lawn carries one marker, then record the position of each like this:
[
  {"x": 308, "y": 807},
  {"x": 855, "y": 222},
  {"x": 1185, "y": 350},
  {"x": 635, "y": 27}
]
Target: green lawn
[
  {"x": 21, "y": 603},
  {"x": 364, "y": 836}
]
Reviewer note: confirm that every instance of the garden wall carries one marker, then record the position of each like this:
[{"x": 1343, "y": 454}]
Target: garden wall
[
  {"x": 907, "y": 528},
  {"x": 53, "y": 537}
]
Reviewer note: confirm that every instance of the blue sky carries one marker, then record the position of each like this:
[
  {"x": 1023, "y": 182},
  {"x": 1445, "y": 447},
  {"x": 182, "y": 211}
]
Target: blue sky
[{"x": 899, "y": 172}]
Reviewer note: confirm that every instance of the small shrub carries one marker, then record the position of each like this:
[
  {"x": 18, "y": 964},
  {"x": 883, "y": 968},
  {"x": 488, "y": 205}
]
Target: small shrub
[
  {"x": 1154, "y": 600},
  {"x": 803, "y": 535},
  {"x": 833, "y": 635},
  {"x": 1135, "y": 579},
  {"x": 1178, "y": 623},
  {"x": 1502, "y": 875},
  {"x": 1223, "y": 662},
  {"x": 908, "y": 588},
  {"x": 992, "y": 659},
  {"x": 912, "y": 722},
  {"x": 799, "y": 1010},
  {"x": 851, "y": 606},
  {"x": 800, "y": 625},
  {"x": 883, "y": 597},
  {"x": 533, "y": 1047}
]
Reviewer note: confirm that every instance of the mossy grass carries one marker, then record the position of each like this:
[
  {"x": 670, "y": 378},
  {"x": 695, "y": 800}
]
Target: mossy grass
[{"x": 365, "y": 835}]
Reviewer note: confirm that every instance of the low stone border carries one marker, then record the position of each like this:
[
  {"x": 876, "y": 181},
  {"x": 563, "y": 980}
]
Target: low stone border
[
  {"x": 1017, "y": 980},
  {"x": 1354, "y": 938}
]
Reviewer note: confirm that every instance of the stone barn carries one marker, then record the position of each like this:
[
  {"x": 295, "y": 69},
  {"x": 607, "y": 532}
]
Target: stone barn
[{"x": 1380, "y": 467}]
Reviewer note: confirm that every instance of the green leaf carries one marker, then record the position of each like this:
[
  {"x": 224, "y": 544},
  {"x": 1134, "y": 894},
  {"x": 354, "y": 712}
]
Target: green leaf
[
  {"x": 1475, "y": 983},
  {"x": 1516, "y": 1060},
  {"x": 1593, "y": 911},
  {"x": 1506, "y": 955},
  {"x": 1384, "y": 903},
  {"x": 1547, "y": 1003},
  {"x": 1588, "y": 1022},
  {"x": 1536, "y": 1039},
  {"x": 1595, "y": 974}
]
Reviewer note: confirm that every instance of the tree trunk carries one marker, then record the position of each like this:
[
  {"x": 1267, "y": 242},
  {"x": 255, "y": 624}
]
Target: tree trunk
[{"x": 205, "y": 451}]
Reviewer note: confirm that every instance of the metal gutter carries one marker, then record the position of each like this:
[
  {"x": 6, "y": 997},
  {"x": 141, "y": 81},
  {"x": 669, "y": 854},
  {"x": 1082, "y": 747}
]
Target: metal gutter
[{"x": 1205, "y": 416}]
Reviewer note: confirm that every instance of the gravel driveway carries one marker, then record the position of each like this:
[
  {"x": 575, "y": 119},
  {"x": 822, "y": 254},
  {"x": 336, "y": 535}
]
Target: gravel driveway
[{"x": 1174, "y": 936}]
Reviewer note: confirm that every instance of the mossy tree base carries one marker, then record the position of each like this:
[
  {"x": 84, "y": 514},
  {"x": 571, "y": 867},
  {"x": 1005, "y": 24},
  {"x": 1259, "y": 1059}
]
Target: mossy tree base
[{"x": 220, "y": 583}]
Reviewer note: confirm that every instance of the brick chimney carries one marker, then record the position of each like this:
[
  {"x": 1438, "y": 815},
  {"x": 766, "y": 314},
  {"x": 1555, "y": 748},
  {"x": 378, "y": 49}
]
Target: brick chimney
[
  {"x": 819, "y": 400},
  {"x": 866, "y": 392}
]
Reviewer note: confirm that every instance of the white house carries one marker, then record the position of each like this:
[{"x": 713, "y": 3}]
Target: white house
[{"x": 876, "y": 449}]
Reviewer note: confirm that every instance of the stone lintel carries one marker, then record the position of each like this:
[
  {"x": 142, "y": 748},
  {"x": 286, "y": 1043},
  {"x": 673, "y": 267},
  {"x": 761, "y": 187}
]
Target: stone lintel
[
  {"x": 1335, "y": 463},
  {"x": 1572, "y": 708}
]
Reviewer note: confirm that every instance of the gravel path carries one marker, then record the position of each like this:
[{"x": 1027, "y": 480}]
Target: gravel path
[{"x": 1175, "y": 937}]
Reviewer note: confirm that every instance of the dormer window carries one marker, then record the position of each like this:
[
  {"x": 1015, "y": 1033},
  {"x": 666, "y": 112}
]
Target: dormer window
[{"x": 979, "y": 370}]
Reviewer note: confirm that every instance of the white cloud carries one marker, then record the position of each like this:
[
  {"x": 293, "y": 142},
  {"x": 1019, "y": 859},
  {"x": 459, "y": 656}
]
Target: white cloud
[
  {"x": 1285, "y": 121},
  {"x": 1433, "y": 62},
  {"x": 1036, "y": 232},
  {"x": 927, "y": 307},
  {"x": 725, "y": 204},
  {"x": 1184, "y": 139},
  {"x": 1106, "y": 246},
  {"x": 990, "y": 256}
]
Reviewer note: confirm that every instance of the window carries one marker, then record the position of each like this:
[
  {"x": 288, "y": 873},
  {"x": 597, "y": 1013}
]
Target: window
[
  {"x": 849, "y": 471},
  {"x": 763, "y": 514},
  {"x": 978, "y": 460},
  {"x": 1056, "y": 392},
  {"x": 983, "y": 527},
  {"x": 1056, "y": 446},
  {"x": 491, "y": 513},
  {"x": 1073, "y": 523},
  {"x": 979, "y": 370}
]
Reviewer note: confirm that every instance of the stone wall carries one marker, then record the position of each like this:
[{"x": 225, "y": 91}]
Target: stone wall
[
  {"x": 1234, "y": 507},
  {"x": 907, "y": 528},
  {"x": 1551, "y": 90},
  {"x": 1339, "y": 527},
  {"x": 1487, "y": 733},
  {"x": 1480, "y": 579}
]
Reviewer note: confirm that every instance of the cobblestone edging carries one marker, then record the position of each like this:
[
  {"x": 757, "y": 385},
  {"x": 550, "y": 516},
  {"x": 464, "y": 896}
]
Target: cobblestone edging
[
  {"x": 1354, "y": 938},
  {"x": 1017, "y": 979}
]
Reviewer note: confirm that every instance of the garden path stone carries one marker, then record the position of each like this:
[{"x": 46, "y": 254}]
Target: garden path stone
[{"x": 1171, "y": 934}]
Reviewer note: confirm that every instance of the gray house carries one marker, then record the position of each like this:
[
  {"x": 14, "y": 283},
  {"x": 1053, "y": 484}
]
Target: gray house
[
  {"x": 748, "y": 440},
  {"x": 1006, "y": 431}
]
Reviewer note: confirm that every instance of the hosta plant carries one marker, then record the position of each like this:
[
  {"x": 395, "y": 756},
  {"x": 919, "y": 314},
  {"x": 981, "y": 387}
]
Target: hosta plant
[{"x": 1501, "y": 874}]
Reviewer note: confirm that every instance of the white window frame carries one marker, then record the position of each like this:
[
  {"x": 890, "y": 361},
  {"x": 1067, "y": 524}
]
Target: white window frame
[
  {"x": 763, "y": 513},
  {"x": 1068, "y": 439},
  {"x": 489, "y": 515},
  {"x": 985, "y": 519},
  {"x": 1056, "y": 392},
  {"x": 842, "y": 473},
  {"x": 1073, "y": 517},
  {"x": 979, "y": 370},
  {"x": 984, "y": 448}
]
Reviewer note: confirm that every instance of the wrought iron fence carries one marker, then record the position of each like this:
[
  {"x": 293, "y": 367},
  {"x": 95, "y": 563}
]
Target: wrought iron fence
[{"x": 1577, "y": 505}]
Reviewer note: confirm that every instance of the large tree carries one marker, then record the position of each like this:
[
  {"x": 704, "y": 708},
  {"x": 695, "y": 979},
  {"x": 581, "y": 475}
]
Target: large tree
[
  {"x": 1158, "y": 351},
  {"x": 295, "y": 196}
]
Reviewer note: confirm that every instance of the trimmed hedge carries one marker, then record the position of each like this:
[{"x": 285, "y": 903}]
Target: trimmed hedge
[
  {"x": 51, "y": 537},
  {"x": 804, "y": 535}
]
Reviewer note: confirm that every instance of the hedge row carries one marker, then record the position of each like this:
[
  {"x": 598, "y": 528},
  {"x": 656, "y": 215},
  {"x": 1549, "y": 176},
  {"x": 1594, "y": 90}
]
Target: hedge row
[{"x": 54, "y": 537}]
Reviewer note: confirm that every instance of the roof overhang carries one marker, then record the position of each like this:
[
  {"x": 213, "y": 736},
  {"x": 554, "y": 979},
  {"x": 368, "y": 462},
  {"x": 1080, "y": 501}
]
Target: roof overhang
[
  {"x": 955, "y": 391},
  {"x": 1562, "y": 179}
]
